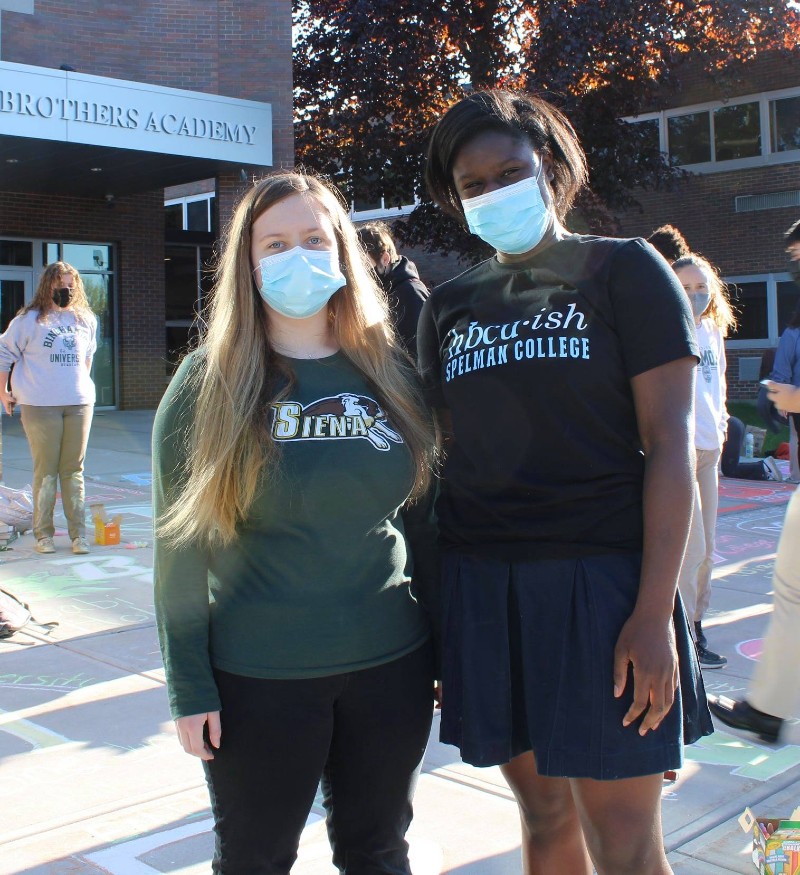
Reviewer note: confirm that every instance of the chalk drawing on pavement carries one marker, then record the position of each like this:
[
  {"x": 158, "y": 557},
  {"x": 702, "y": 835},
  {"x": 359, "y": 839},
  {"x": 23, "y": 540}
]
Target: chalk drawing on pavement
[
  {"x": 751, "y": 649},
  {"x": 145, "y": 478},
  {"x": 31, "y": 733},
  {"x": 744, "y": 758}
]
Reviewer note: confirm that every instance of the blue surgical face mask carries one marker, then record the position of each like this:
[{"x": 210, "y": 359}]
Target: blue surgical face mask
[
  {"x": 300, "y": 282},
  {"x": 512, "y": 219}
]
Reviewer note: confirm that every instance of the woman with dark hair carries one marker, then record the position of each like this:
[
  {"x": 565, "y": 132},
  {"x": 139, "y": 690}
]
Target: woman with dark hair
[
  {"x": 399, "y": 278},
  {"x": 786, "y": 369},
  {"x": 50, "y": 344},
  {"x": 562, "y": 370},
  {"x": 669, "y": 241}
]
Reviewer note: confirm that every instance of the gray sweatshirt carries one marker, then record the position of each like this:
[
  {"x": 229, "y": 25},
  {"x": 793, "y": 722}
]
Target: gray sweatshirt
[{"x": 50, "y": 358}]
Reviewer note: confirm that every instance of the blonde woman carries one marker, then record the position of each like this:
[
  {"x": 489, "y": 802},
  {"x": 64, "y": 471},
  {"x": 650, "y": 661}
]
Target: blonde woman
[
  {"x": 51, "y": 343},
  {"x": 713, "y": 319},
  {"x": 291, "y": 464}
]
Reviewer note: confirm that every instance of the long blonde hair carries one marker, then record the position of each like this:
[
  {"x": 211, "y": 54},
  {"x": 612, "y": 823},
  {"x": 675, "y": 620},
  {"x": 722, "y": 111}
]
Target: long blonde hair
[
  {"x": 43, "y": 299},
  {"x": 719, "y": 309},
  {"x": 230, "y": 455}
]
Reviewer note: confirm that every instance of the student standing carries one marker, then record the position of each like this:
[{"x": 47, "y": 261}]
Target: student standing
[
  {"x": 562, "y": 368},
  {"x": 399, "y": 278},
  {"x": 291, "y": 463},
  {"x": 713, "y": 318},
  {"x": 50, "y": 345}
]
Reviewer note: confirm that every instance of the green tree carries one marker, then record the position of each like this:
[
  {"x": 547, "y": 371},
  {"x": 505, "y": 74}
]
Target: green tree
[{"x": 371, "y": 78}]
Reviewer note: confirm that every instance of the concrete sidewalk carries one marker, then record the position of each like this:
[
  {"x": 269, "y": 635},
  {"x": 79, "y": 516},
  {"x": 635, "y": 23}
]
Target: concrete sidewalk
[{"x": 93, "y": 779}]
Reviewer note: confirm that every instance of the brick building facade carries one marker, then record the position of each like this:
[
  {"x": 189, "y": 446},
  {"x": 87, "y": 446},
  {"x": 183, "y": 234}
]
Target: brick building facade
[
  {"x": 737, "y": 217},
  {"x": 53, "y": 204}
]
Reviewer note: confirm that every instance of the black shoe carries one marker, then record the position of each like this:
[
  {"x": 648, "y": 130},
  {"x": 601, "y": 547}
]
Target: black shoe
[
  {"x": 699, "y": 635},
  {"x": 742, "y": 715},
  {"x": 708, "y": 659}
]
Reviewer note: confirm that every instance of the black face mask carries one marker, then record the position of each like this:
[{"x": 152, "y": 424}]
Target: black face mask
[{"x": 62, "y": 297}]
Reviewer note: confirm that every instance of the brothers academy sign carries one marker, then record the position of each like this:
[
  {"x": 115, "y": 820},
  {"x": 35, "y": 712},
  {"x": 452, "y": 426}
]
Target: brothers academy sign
[{"x": 70, "y": 107}]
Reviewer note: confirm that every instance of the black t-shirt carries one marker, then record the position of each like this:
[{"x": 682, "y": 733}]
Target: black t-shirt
[{"x": 534, "y": 361}]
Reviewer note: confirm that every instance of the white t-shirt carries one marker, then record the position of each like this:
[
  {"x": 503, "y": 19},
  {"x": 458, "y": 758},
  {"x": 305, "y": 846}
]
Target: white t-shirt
[
  {"x": 50, "y": 358},
  {"x": 710, "y": 413}
]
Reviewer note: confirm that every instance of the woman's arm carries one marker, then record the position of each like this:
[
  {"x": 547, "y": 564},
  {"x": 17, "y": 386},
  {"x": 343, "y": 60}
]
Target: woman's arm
[
  {"x": 663, "y": 397},
  {"x": 181, "y": 584},
  {"x": 6, "y": 396}
]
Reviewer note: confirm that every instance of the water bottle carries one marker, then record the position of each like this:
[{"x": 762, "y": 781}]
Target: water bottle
[{"x": 748, "y": 445}]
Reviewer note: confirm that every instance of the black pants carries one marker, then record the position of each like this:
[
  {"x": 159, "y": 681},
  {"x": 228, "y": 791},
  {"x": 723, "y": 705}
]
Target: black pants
[{"x": 363, "y": 734}]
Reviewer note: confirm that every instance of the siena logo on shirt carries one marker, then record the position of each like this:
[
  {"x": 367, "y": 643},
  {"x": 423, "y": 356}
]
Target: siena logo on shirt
[{"x": 337, "y": 417}]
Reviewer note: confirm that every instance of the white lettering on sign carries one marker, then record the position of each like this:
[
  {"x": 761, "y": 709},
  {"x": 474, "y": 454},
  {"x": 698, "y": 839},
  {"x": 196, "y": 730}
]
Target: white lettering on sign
[{"x": 72, "y": 107}]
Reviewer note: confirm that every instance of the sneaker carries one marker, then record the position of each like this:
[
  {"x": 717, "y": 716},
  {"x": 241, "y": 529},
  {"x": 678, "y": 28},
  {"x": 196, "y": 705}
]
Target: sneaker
[
  {"x": 773, "y": 469},
  {"x": 742, "y": 715},
  {"x": 708, "y": 659},
  {"x": 45, "y": 545},
  {"x": 80, "y": 545},
  {"x": 699, "y": 635}
]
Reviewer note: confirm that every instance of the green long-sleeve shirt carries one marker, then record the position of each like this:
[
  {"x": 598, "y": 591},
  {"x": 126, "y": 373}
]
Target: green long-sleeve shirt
[{"x": 318, "y": 579}]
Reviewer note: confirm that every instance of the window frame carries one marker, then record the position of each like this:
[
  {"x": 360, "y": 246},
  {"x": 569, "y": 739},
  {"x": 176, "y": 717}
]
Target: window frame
[
  {"x": 184, "y": 201},
  {"x": 773, "y": 328},
  {"x": 765, "y": 159}
]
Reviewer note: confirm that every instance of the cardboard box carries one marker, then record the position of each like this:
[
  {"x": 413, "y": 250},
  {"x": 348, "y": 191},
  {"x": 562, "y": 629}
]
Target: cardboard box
[
  {"x": 106, "y": 531},
  {"x": 776, "y": 842}
]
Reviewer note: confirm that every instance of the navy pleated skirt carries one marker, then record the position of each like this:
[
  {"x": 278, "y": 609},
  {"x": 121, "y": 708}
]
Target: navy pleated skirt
[{"x": 528, "y": 665}]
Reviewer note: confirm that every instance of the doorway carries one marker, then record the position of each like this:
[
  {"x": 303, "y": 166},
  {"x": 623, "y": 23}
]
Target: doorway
[{"x": 15, "y": 292}]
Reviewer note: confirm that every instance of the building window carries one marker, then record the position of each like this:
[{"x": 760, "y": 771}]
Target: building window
[
  {"x": 737, "y": 132},
  {"x": 750, "y": 299},
  {"x": 751, "y": 131},
  {"x": 788, "y": 297},
  {"x": 192, "y": 213},
  {"x": 763, "y": 305},
  {"x": 784, "y": 124},
  {"x": 689, "y": 138},
  {"x": 16, "y": 253},
  {"x": 649, "y": 134},
  {"x": 187, "y": 282}
]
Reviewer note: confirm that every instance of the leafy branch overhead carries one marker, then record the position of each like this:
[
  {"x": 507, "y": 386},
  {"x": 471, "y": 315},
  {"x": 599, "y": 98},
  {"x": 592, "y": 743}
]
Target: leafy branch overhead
[{"x": 371, "y": 78}]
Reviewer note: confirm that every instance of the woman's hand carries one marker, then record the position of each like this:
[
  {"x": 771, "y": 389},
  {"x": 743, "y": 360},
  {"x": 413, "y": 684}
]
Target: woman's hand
[
  {"x": 8, "y": 400},
  {"x": 784, "y": 396},
  {"x": 191, "y": 734},
  {"x": 648, "y": 645}
]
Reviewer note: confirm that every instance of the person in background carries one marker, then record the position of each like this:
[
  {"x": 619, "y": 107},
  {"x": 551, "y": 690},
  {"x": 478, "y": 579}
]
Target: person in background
[
  {"x": 773, "y": 694},
  {"x": 566, "y": 495},
  {"x": 669, "y": 241},
  {"x": 295, "y": 556},
  {"x": 399, "y": 278},
  {"x": 786, "y": 369},
  {"x": 50, "y": 344},
  {"x": 713, "y": 319}
]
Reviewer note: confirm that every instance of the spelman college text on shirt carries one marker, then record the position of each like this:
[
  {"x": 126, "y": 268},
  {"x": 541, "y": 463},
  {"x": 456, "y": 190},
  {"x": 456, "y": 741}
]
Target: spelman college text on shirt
[
  {"x": 49, "y": 357},
  {"x": 534, "y": 362},
  {"x": 484, "y": 346}
]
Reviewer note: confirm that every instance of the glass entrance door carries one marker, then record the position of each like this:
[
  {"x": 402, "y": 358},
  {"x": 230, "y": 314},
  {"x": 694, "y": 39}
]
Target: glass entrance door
[{"x": 15, "y": 292}]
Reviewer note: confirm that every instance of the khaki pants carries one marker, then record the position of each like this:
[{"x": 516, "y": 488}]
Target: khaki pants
[
  {"x": 58, "y": 437},
  {"x": 694, "y": 581},
  {"x": 775, "y": 687}
]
